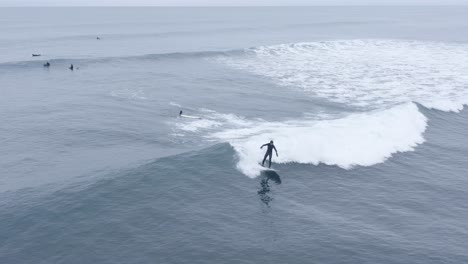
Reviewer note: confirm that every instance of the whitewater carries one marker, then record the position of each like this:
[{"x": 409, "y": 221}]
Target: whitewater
[{"x": 370, "y": 75}]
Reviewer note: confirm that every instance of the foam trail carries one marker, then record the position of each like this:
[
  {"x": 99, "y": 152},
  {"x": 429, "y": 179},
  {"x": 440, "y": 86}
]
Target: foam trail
[
  {"x": 360, "y": 139},
  {"x": 198, "y": 125},
  {"x": 175, "y": 104},
  {"x": 210, "y": 120}
]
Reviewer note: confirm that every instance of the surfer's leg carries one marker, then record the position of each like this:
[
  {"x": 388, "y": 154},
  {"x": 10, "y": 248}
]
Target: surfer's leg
[
  {"x": 271, "y": 154},
  {"x": 264, "y": 158}
]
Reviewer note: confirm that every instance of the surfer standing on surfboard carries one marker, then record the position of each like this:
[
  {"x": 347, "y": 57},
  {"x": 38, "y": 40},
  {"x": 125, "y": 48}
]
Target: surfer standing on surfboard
[{"x": 269, "y": 152}]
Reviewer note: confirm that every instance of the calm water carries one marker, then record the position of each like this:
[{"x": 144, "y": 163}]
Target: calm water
[{"x": 365, "y": 104}]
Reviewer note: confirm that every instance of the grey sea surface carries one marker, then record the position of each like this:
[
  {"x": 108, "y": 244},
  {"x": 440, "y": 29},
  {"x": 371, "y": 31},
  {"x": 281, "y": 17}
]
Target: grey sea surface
[{"x": 365, "y": 105}]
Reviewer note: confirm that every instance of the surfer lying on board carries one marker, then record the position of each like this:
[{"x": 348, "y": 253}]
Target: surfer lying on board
[
  {"x": 181, "y": 114},
  {"x": 269, "y": 152}
]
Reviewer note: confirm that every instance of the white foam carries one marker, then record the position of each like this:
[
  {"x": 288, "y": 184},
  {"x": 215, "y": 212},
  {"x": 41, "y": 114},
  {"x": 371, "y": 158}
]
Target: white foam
[
  {"x": 367, "y": 73},
  {"x": 211, "y": 119},
  {"x": 175, "y": 104},
  {"x": 383, "y": 77},
  {"x": 445, "y": 105},
  {"x": 199, "y": 124},
  {"x": 129, "y": 94},
  {"x": 359, "y": 139}
]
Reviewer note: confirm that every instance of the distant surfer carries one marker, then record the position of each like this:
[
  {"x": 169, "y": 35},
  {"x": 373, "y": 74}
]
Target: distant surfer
[
  {"x": 269, "y": 152},
  {"x": 71, "y": 67},
  {"x": 47, "y": 64},
  {"x": 98, "y": 38},
  {"x": 181, "y": 114}
]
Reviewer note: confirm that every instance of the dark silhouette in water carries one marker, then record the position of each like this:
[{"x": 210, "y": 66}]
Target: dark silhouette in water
[
  {"x": 263, "y": 192},
  {"x": 269, "y": 152},
  {"x": 98, "y": 38},
  {"x": 71, "y": 67},
  {"x": 273, "y": 176},
  {"x": 47, "y": 65},
  {"x": 265, "y": 187},
  {"x": 36, "y": 55},
  {"x": 181, "y": 112}
]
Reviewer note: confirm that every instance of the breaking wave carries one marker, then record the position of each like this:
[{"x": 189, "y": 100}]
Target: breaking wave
[
  {"x": 362, "y": 139},
  {"x": 366, "y": 73}
]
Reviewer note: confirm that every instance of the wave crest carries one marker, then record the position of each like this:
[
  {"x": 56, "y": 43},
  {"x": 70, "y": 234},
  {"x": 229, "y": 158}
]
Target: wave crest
[{"x": 361, "y": 139}]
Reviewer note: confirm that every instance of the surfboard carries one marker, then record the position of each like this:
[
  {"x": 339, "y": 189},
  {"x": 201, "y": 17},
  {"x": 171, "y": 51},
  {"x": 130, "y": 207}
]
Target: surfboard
[
  {"x": 189, "y": 116},
  {"x": 266, "y": 168}
]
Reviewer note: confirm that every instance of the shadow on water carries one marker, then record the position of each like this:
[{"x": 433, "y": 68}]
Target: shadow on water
[{"x": 265, "y": 187}]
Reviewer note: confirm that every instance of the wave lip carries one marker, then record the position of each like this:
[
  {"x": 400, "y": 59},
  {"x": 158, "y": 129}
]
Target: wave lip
[{"x": 362, "y": 139}]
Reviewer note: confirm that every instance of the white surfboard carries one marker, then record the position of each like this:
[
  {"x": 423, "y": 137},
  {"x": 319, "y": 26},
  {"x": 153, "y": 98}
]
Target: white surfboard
[
  {"x": 266, "y": 168},
  {"x": 189, "y": 116},
  {"x": 270, "y": 169}
]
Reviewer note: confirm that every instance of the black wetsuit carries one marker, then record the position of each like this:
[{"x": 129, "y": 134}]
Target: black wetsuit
[{"x": 269, "y": 153}]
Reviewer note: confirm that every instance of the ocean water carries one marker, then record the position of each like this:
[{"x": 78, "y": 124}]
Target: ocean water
[{"x": 366, "y": 106}]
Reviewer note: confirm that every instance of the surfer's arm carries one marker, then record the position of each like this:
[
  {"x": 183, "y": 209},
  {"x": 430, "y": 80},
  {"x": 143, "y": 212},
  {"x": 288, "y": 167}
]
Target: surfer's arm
[
  {"x": 264, "y": 145},
  {"x": 275, "y": 151}
]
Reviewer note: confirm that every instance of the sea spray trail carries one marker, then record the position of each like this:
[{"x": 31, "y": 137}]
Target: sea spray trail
[
  {"x": 363, "y": 139},
  {"x": 366, "y": 73}
]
